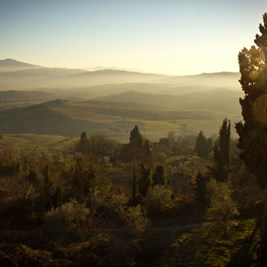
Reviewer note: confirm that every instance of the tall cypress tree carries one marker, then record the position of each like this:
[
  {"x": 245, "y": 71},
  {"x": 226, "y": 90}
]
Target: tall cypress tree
[
  {"x": 203, "y": 146},
  {"x": 144, "y": 181},
  {"x": 221, "y": 152},
  {"x": 253, "y": 130},
  {"x": 158, "y": 177}
]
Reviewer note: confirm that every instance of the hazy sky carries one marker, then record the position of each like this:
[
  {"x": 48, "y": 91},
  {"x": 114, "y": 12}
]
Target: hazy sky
[{"x": 162, "y": 36}]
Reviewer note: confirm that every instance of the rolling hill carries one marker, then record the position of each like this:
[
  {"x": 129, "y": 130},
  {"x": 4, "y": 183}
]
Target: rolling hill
[
  {"x": 111, "y": 102},
  {"x": 219, "y": 100},
  {"x": 152, "y": 113},
  {"x": 12, "y": 98},
  {"x": 11, "y": 65}
]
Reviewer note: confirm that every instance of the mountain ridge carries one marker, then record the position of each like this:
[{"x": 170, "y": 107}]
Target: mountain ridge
[
  {"x": 9, "y": 62},
  {"x": 14, "y": 62}
]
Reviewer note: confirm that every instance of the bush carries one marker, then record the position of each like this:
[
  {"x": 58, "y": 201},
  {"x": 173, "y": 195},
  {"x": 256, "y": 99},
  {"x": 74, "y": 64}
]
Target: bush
[
  {"x": 222, "y": 207},
  {"x": 115, "y": 204},
  {"x": 20, "y": 255},
  {"x": 66, "y": 219},
  {"x": 159, "y": 200},
  {"x": 136, "y": 221}
]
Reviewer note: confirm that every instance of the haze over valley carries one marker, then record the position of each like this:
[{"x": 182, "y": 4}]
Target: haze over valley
[{"x": 59, "y": 101}]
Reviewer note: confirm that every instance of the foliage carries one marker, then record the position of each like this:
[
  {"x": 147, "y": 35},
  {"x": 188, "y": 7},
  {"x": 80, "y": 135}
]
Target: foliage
[
  {"x": 253, "y": 130},
  {"x": 247, "y": 193},
  {"x": 203, "y": 145},
  {"x": 158, "y": 177},
  {"x": 48, "y": 190},
  {"x": 9, "y": 161},
  {"x": 144, "y": 180},
  {"x": 222, "y": 208},
  {"x": 201, "y": 189},
  {"x": 20, "y": 255},
  {"x": 110, "y": 205},
  {"x": 159, "y": 200},
  {"x": 207, "y": 245},
  {"x": 136, "y": 140},
  {"x": 221, "y": 152},
  {"x": 83, "y": 178},
  {"x": 136, "y": 221},
  {"x": 67, "y": 219},
  {"x": 92, "y": 205},
  {"x": 96, "y": 146},
  {"x": 132, "y": 155},
  {"x": 178, "y": 145}
]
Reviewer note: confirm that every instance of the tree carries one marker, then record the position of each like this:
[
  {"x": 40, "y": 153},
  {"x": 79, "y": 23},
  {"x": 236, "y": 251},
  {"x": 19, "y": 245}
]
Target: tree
[
  {"x": 221, "y": 152},
  {"x": 158, "y": 177},
  {"x": 222, "y": 207},
  {"x": 136, "y": 140},
  {"x": 147, "y": 153},
  {"x": 133, "y": 155},
  {"x": 83, "y": 138},
  {"x": 203, "y": 146},
  {"x": 144, "y": 181},
  {"x": 66, "y": 219},
  {"x": 159, "y": 200},
  {"x": 201, "y": 188},
  {"x": 83, "y": 179},
  {"x": 48, "y": 189},
  {"x": 253, "y": 130},
  {"x": 136, "y": 149}
]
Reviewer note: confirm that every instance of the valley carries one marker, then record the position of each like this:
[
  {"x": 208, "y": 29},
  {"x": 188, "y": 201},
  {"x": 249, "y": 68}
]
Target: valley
[{"x": 66, "y": 102}]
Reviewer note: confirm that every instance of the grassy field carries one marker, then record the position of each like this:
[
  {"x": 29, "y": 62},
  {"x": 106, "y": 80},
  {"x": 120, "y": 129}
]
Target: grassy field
[
  {"x": 114, "y": 119},
  {"x": 33, "y": 141}
]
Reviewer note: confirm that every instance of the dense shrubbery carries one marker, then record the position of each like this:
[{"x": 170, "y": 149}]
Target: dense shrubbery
[
  {"x": 66, "y": 220},
  {"x": 136, "y": 221},
  {"x": 159, "y": 200},
  {"x": 91, "y": 206}
]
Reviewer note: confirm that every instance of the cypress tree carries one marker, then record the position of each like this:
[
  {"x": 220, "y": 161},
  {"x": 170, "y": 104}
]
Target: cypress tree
[
  {"x": 203, "y": 146},
  {"x": 221, "y": 152},
  {"x": 253, "y": 130}
]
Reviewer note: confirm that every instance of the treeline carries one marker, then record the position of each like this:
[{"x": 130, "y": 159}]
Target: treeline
[{"x": 104, "y": 191}]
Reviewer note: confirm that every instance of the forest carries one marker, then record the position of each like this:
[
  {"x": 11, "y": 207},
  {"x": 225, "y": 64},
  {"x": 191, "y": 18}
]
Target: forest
[{"x": 181, "y": 201}]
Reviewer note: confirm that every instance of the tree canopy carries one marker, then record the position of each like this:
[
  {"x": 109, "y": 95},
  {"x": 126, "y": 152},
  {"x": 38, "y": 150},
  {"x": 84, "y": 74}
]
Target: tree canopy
[{"x": 253, "y": 130}]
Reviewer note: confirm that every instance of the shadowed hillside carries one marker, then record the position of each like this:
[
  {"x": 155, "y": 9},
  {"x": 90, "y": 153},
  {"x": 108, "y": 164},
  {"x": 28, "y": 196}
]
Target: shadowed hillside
[
  {"x": 12, "y": 98},
  {"x": 211, "y": 100},
  {"x": 115, "y": 115}
]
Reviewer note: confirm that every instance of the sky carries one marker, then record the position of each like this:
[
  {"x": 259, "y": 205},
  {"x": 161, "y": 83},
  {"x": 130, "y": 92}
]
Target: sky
[{"x": 176, "y": 37}]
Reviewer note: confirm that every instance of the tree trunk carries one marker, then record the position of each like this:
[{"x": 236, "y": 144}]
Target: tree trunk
[{"x": 263, "y": 245}]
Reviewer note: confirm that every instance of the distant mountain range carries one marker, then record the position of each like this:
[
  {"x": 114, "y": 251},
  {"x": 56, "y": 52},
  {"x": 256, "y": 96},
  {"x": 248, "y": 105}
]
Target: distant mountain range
[
  {"x": 15, "y": 75},
  {"x": 14, "y": 64}
]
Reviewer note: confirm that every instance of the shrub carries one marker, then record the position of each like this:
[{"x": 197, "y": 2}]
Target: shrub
[
  {"x": 159, "y": 200},
  {"x": 66, "y": 219},
  {"x": 136, "y": 221},
  {"x": 115, "y": 204},
  {"x": 222, "y": 207}
]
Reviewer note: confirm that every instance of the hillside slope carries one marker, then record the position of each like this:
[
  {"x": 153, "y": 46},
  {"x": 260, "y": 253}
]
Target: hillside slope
[{"x": 116, "y": 119}]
